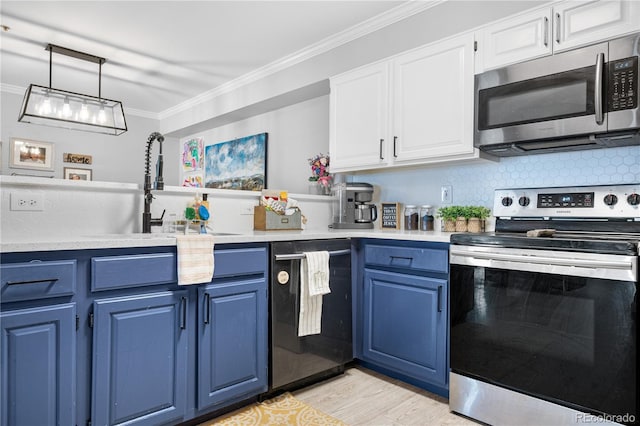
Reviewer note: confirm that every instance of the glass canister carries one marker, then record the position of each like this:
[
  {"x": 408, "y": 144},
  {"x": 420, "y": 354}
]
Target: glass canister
[
  {"x": 410, "y": 218},
  {"x": 426, "y": 218}
]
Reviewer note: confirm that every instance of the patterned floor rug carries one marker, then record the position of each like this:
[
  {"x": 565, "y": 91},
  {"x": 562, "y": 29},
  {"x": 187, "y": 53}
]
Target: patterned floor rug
[{"x": 282, "y": 410}]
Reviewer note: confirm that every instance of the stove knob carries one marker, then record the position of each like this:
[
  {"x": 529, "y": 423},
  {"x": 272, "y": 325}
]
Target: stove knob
[
  {"x": 610, "y": 200},
  {"x": 524, "y": 201},
  {"x": 507, "y": 201},
  {"x": 633, "y": 199}
]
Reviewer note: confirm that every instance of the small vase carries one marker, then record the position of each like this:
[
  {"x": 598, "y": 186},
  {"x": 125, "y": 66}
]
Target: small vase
[
  {"x": 461, "y": 224},
  {"x": 316, "y": 188}
]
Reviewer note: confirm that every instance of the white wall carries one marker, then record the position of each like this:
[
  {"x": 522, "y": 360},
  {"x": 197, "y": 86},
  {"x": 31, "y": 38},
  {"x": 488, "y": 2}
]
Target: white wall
[
  {"x": 115, "y": 158},
  {"x": 296, "y": 133},
  {"x": 75, "y": 209}
]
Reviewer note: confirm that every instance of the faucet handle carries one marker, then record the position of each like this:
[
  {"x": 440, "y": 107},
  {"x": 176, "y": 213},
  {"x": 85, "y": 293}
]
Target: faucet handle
[{"x": 157, "y": 221}]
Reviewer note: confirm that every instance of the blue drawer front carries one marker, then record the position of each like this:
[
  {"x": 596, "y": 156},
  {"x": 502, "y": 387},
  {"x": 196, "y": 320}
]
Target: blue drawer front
[
  {"x": 236, "y": 262},
  {"x": 111, "y": 272},
  {"x": 413, "y": 258},
  {"x": 37, "y": 280}
]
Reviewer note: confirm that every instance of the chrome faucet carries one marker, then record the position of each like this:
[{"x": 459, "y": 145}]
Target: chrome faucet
[{"x": 158, "y": 184}]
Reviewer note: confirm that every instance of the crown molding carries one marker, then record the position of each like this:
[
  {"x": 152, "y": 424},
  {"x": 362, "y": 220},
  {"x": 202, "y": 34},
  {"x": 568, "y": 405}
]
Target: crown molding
[
  {"x": 10, "y": 88},
  {"x": 380, "y": 21},
  {"x": 142, "y": 113}
]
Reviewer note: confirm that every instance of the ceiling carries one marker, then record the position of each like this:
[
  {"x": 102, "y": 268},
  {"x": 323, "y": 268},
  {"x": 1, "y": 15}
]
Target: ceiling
[{"x": 163, "y": 53}]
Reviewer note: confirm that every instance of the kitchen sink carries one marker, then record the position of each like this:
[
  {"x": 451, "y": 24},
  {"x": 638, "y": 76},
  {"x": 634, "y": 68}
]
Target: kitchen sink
[
  {"x": 142, "y": 236},
  {"x": 131, "y": 236}
]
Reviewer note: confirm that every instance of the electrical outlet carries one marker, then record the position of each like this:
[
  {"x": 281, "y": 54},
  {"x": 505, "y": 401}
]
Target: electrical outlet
[
  {"x": 445, "y": 194},
  {"x": 28, "y": 201}
]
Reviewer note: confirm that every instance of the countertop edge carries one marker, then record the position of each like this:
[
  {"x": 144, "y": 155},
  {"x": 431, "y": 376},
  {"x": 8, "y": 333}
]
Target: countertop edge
[{"x": 158, "y": 240}]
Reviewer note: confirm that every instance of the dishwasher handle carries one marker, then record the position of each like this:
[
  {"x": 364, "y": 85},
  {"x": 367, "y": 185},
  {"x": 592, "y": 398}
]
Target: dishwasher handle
[{"x": 299, "y": 256}]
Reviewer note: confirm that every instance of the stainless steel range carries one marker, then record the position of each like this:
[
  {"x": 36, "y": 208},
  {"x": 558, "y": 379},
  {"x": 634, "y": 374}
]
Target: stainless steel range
[{"x": 543, "y": 327}]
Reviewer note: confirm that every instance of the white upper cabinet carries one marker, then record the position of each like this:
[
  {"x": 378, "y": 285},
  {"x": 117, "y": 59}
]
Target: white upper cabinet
[
  {"x": 359, "y": 117},
  {"x": 414, "y": 108},
  {"x": 433, "y": 101},
  {"x": 586, "y": 22},
  {"x": 555, "y": 28},
  {"x": 514, "y": 40}
]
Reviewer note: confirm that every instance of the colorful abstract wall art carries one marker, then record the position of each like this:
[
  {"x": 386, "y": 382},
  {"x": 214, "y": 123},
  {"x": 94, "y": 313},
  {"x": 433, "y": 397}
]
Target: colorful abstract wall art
[
  {"x": 238, "y": 164},
  {"x": 192, "y": 159}
]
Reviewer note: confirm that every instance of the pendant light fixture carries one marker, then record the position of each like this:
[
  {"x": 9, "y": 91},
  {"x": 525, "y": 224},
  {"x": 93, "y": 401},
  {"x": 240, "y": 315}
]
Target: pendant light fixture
[{"x": 60, "y": 108}]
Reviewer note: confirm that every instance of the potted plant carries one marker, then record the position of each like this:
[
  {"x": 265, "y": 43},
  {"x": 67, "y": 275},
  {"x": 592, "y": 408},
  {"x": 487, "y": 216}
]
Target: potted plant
[
  {"x": 449, "y": 216},
  {"x": 463, "y": 218},
  {"x": 476, "y": 216}
]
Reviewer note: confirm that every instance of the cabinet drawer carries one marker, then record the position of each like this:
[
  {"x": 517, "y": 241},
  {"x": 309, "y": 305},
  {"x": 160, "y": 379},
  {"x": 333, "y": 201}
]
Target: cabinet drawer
[
  {"x": 433, "y": 260},
  {"x": 233, "y": 262},
  {"x": 38, "y": 280},
  {"x": 111, "y": 272}
]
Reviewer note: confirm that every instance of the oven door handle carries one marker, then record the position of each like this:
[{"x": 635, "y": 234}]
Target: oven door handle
[
  {"x": 299, "y": 256},
  {"x": 575, "y": 264},
  {"x": 551, "y": 261}
]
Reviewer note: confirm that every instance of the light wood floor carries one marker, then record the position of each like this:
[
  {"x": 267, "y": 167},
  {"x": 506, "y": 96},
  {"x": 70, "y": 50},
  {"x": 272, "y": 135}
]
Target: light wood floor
[{"x": 364, "y": 397}]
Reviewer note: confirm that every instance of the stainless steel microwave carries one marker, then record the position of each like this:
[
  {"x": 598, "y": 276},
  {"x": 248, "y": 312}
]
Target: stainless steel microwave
[{"x": 580, "y": 99}]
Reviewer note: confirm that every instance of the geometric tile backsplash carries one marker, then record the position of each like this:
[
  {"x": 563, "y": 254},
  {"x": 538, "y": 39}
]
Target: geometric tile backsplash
[{"x": 474, "y": 183}]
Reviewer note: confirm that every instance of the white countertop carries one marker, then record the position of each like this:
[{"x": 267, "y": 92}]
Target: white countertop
[{"x": 87, "y": 242}]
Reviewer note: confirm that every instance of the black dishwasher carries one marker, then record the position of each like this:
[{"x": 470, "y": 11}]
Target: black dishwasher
[{"x": 297, "y": 361}]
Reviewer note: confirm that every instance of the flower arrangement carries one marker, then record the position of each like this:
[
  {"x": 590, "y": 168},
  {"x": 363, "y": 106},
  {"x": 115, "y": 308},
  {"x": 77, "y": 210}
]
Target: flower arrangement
[{"x": 320, "y": 169}]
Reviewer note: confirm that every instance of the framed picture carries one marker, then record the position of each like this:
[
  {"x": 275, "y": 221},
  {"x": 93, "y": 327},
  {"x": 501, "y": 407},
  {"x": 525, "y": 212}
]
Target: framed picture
[
  {"x": 192, "y": 159},
  {"x": 28, "y": 154},
  {"x": 73, "y": 173},
  {"x": 390, "y": 213},
  {"x": 238, "y": 164},
  {"x": 85, "y": 159}
]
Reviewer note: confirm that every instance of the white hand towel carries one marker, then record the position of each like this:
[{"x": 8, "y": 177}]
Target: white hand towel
[
  {"x": 317, "y": 272},
  {"x": 314, "y": 272},
  {"x": 195, "y": 259}
]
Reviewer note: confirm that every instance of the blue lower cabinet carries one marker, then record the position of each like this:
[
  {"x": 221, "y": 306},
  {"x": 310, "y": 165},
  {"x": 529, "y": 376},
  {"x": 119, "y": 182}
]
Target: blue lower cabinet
[
  {"x": 39, "y": 365},
  {"x": 140, "y": 359},
  {"x": 232, "y": 341},
  {"x": 405, "y": 324}
]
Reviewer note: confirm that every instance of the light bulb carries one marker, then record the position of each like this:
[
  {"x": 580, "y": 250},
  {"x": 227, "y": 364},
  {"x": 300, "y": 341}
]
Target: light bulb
[
  {"x": 84, "y": 111},
  {"x": 102, "y": 116},
  {"x": 46, "y": 105},
  {"x": 66, "y": 109}
]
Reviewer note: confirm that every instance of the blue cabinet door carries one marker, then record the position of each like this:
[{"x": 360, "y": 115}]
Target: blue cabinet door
[
  {"x": 39, "y": 366},
  {"x": 405, "y": 320},
  {"x": 232, "y": 341},
  {"x": 140, "y": 359}
]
